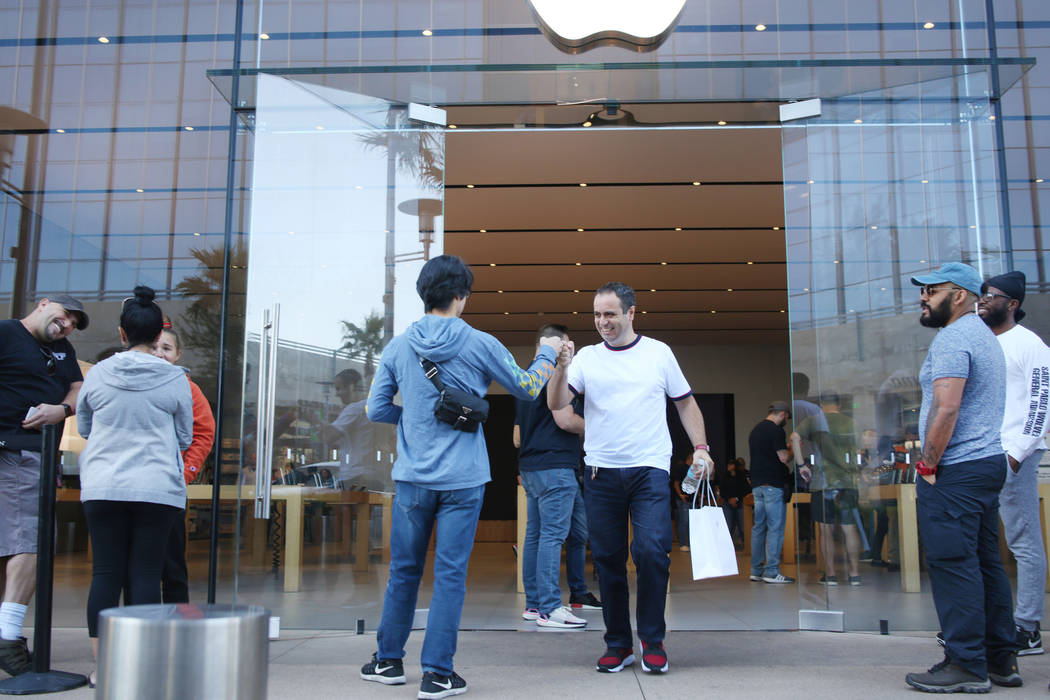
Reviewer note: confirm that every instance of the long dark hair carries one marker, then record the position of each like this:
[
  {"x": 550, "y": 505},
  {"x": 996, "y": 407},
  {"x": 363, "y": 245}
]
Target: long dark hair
[{"x": 141, "y": 318}]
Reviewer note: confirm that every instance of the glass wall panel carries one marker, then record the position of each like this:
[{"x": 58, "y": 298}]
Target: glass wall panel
[
  {"x": 879, "y": 187},
  {"x": 347, "y": 204}
]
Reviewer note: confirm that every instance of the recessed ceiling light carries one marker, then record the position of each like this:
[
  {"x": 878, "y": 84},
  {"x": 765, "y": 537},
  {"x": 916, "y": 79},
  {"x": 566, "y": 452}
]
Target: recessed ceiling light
[
  {"x": 852, "y": 311},
  {"x": 264, "y": 36},
  {"x": 925, "y": 182},
  {"x": 835, "y": 261},
  {"x": 358, "y": 187},
  {"x": 645, "y": 312},
  {"x": 583, "y": 184},
  {"x": 809, "y": 182},
  {"x": 805, "y": 289},
  {"x": 1039, "y": 179},
  {"x": 188, "y": 128},
  {"x": 319, "y": 127},
  {"x": 587, "y": 123},
  {"x": 427, "y": 32},
  {"x": 652, "y": 290},
  {"x": 776, "y": 228},
  {"x": 492, "y": 264},
  {"x": 578, "y": 264},
  {"x": 103, "y": 40},
  {"x": 713, "y": 311},
  {"x": 729, "y": 289},
  {"x": 662, "y": 262},
  {"x": 929, "y": 25},
  {"x": 452, "y": 126},
  {"x": 882, "y": 289},
  {"x": 782, "y": 311},
  {"x": 760, "y": 27},
  {"x": 721, "y": 122},
  {"x": 61, "y": 131},
  {"x": 749, "y": 262},
  {"x": 874, "y": 228},
  {"x": 858, "y": 121},
  {"x": 696, "y": 183},
  {"x": 196, "y": 233},
  {"x": 574, "y": 313},
  {"x": 482, "y": 230},
  {"x": 922, "y": 261},
  {"x": 499, "y": 291},
  {"x": 139, "y": 189},
  {"x": 506, "y": 313},
  {"x": 973, "y": 225},
  {"x": 677, "y": 228},
  {"x": 991, "y": 117},
  {"x": 470, "y": 187},
  {"x": 579, "y": 230},
  {"x": 576, "y": 291}
]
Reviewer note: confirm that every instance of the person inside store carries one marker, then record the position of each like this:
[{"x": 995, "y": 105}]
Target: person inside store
[
  {"x": 442, "y": 465},
  {"x": 136, "y": 412},
  {"x": 961, "y": 472},
  {"x": 682, "y": 501},
  {"x": 548, "y": 457},
  {"x": 39, "y": 383},
  {"x": 733, "y": 488},
  {"x": 625, "y": 382},
  {"x": 175, "y": 577}
]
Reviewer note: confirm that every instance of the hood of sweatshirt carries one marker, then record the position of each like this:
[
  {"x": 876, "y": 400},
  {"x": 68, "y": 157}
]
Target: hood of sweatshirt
[
  {"x": 137, "y": 371},
  {"x": 437, "y": 338}
]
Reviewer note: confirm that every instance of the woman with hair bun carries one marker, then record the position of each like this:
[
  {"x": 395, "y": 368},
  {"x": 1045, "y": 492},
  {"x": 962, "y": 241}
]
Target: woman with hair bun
[{"x": 136, "y": 412}]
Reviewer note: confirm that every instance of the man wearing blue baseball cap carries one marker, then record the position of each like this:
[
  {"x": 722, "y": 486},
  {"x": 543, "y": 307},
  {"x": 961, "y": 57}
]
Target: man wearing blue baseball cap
[{"x": 962, "y": 471}]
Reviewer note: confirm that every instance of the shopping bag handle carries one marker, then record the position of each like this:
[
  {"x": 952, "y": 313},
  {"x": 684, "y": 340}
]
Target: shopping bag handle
[{"x": 704, "y": 487}]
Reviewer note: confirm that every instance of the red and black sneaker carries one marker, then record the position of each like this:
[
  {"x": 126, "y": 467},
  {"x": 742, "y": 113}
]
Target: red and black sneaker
[
  {"x": 654, "y": 658},
  {"x": 615, "y": 659}
]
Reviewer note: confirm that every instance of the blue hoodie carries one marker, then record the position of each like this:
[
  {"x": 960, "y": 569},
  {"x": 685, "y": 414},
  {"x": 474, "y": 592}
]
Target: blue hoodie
[{"x": 430, "y": 453}]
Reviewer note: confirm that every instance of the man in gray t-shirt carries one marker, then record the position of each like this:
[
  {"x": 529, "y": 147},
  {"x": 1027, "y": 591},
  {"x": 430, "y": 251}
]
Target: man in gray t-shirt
[{"x": 961, "y": 473}]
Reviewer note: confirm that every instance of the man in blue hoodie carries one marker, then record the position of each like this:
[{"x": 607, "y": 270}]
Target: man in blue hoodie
[{"x": 440, "y": 473}]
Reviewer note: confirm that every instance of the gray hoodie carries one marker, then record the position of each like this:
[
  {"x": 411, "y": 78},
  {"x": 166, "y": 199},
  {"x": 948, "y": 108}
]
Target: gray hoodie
[{"x": 136, "y": 412}]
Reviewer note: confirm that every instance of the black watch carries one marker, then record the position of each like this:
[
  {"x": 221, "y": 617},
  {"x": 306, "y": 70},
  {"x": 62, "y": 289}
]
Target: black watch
[{"x": 68, "y": 409}]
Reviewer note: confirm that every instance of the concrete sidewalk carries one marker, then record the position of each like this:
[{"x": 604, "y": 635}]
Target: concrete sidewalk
[{"x": 560, "y": 664}]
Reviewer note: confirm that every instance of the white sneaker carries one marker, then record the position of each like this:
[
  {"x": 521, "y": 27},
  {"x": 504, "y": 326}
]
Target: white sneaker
[
  {"x": 530, "y": 614},
  {"x": 779, "y": 578},
  {"x": 561, "y": 617}
]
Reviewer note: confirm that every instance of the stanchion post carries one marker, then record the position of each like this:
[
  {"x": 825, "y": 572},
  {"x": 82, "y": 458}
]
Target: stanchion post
[{"x": 42, "y": 679}]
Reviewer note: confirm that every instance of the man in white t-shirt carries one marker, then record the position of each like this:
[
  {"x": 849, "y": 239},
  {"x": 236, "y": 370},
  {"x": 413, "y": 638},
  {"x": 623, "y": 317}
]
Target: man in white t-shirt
[
  {"x": 624, "y": 381},
  {"x": 1023, "y": 433}
]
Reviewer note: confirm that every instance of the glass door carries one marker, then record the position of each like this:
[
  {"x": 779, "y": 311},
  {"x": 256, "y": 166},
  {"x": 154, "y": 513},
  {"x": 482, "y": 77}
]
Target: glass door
[
  {"x": 878, "y": 187},
  {"x": 347, "y": 203}
]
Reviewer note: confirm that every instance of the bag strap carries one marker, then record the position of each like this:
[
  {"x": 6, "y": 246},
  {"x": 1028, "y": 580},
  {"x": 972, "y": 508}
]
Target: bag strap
[
  {"x": 432, "y": 373},
  {"x": 704, "y": 488}
]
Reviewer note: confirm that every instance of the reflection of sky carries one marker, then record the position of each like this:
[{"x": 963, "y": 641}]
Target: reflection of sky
[{"x": 319, "y": 216}]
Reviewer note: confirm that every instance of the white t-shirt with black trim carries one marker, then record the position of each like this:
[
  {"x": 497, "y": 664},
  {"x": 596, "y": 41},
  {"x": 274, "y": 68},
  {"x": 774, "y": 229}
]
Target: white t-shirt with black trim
[{"x": 623, "y": 402}]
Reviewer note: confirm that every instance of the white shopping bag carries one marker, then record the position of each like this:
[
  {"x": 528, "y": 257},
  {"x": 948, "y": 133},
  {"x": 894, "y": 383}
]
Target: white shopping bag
[{"x": 710, "y": 544}]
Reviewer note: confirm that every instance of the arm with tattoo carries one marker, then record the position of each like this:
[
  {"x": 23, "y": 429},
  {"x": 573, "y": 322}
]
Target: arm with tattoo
[{"x": 940, "y": 423}]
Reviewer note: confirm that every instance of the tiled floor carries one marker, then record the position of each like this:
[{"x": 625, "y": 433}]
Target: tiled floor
[{"x": 333, "y": 596}]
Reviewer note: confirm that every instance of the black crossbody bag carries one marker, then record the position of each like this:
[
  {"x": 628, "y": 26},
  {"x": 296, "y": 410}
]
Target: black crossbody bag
[{"x": 460, "y": 409}]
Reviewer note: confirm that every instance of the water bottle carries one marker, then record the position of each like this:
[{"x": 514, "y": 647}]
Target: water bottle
[{"x": 691, "y": 481}]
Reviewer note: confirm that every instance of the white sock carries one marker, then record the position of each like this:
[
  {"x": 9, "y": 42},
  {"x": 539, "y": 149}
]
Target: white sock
[{"x": 11, "y": 617}]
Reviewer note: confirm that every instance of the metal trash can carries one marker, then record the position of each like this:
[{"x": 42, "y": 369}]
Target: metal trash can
[{"x": 174, "y": 652}]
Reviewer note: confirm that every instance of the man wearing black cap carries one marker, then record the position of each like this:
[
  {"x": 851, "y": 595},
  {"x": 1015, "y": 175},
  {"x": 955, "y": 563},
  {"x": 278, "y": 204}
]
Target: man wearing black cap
[
  {"x": 1023, "y": 432},
  {"x": 962, "y": 470},
  {"x": 39, "y": 382}
]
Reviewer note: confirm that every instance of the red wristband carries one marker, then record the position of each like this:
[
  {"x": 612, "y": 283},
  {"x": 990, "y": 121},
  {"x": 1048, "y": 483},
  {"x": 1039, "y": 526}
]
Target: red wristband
[
  {"x": 922, "y": 470},
  {"x": 705, "y": 448}
]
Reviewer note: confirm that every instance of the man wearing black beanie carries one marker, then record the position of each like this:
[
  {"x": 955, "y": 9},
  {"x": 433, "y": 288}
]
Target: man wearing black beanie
[{"x": 1023, "y": 432}]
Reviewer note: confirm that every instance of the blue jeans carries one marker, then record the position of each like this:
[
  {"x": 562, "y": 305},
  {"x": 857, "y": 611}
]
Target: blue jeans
[
  {"x": 734, "y": 520},
  {"x": 959, "y": 528},
  {"x": 767, "y": 535},
  {"x": 576, "y": 546},
  {"x": 613, "y": 496},
  {"x": 416, "y": 512},
  {"x": 552, "y": 495}
]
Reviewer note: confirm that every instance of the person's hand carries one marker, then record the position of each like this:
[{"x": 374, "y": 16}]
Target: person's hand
[
  {"x": 703, "y": 465},
  {"x": 734, "y": 502},
  {"x": 553, "y": 342},
  {"x": 565, "y": 354},
  {"x": 1014, "y": 464},
  {"x": 930, "y": 479},
  {"x": 46, "y": 414},
  {"x": 805, "y": 473}
]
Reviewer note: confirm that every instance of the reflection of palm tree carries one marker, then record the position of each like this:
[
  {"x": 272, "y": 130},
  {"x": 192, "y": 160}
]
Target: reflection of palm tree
[
  {"x": 420, "y": 152},
  {"x": 201, "y": 321},
  {"x": 366, "y": 340}
]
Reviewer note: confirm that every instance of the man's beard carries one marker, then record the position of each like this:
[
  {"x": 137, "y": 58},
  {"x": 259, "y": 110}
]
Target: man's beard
[
  {"x": 995, "y": 317},
  {"x": 938, "y": 315}
]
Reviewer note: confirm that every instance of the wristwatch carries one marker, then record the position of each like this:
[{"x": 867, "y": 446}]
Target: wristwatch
[
  {"x": 68, "y": 409},
  {"x": 922, "y": 470}
]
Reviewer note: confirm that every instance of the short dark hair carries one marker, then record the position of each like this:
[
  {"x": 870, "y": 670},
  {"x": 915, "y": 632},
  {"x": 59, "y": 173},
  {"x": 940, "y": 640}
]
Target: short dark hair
[
  {"x": 141, "y": 318},
  {"x": 443, "y": 279},
  {"x": 800, "y": 384},
  {"x": 830, "y": 399},
  {"x": 622, "y": 291},
  {"x": 552, "y": 330},
  {"x": 348, "y": 377}
]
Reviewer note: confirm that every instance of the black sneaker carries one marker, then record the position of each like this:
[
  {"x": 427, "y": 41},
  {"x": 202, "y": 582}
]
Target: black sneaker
[
  {"x": 828, "y": 580},
  {"x": 434, "y": 685},
  {"x": 615, "y": 659},
  {"x": 654, "y": 658},
  {"x": 14, "y": 656},
  {"x": 587, "y": 601},
  {"x": 1005, "y": 672},
  {"x": 1029, "y": 643},
  {"x": 385, "y": 671},
  {"x": 946, "y": 677}
]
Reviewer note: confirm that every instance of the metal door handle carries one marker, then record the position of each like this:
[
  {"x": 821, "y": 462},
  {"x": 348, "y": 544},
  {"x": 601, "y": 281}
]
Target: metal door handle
[{"x": 264, "y": 437}]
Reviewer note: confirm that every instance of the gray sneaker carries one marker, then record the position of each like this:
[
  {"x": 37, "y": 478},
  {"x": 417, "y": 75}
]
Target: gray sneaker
[
  {"x": 946, "y": 677},
  {"x": 14, "y": 656},
  {"x": 779, "y": 578},
  {"x": 1005, "y": 672}
]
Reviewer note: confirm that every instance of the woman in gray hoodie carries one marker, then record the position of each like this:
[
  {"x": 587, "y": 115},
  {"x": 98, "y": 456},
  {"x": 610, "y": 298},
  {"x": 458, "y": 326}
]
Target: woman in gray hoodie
[{"x": 136, "y": 412}]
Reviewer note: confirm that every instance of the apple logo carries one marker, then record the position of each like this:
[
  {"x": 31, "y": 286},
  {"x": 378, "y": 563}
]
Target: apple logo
[{"x": 575, "y": 26}]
